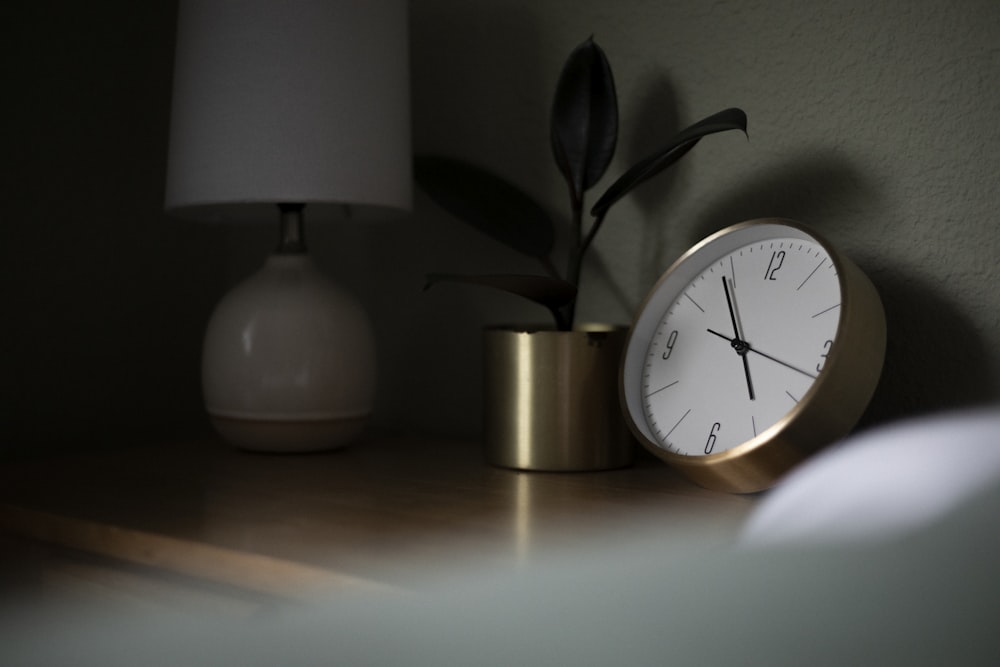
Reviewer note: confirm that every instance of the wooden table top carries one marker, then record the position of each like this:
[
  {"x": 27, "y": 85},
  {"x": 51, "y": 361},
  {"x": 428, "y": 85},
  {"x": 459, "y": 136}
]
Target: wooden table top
[{"x": 383, "y": 513}]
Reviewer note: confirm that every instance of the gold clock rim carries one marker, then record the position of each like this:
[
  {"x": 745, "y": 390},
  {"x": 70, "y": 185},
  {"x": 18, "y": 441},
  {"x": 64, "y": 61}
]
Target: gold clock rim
[{"x": 828, "y": 410}]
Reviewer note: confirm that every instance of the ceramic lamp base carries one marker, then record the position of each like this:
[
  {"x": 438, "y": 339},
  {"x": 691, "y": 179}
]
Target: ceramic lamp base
[{"x": 288, "y": 363}]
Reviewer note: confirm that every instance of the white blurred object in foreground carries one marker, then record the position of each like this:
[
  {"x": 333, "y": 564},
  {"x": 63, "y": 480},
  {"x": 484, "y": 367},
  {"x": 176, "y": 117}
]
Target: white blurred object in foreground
[{"x": 882, "y": 484}]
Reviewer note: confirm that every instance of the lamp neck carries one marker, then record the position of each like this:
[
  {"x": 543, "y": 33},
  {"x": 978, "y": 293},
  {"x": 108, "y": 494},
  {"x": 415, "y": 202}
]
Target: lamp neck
[{"x": 293, "y": 240}]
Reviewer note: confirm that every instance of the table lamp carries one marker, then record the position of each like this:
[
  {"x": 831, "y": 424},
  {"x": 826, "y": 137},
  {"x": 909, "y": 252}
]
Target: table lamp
[{"x": 282, "y": 111}]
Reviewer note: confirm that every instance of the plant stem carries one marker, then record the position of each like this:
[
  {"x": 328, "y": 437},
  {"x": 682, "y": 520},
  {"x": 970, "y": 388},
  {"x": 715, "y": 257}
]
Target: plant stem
[
  {"x": 559, "y": 315},
  {"x": 591, "y": 234},
  {"x": 574, "y": 256}
]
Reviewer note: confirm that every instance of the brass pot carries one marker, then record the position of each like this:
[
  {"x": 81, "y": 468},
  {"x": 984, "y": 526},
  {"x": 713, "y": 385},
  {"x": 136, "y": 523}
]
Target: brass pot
[{"x": 552, "y": 399}]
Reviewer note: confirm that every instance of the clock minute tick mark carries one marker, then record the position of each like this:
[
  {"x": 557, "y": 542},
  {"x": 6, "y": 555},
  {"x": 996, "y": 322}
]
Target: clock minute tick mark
[
  {"x": 652, "y": 393},
  {"x": 677, "y": 424},
  {"x": 826, "y": 310},
  {"x": 811, "y": 273},
  {"x": 696, "y": 305}
]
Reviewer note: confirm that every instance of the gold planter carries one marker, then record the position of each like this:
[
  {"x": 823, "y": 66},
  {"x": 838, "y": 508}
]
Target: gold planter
[{"x": 551, "y": 399}]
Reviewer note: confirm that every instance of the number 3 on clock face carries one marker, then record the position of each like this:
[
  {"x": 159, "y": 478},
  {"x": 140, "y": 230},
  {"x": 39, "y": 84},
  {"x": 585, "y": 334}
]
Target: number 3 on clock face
[{"x": 733, "y": 348}]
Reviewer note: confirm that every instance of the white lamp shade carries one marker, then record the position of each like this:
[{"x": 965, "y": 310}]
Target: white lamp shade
[{"x": 303, "y": 101}]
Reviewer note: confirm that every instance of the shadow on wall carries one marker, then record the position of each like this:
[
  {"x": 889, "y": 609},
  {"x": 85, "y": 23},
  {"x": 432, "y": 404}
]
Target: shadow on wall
[
  {"x": 817, "y": 188},
  {"x": 657, "y": 121},
  {"x": 476, "y": 90},
  {"x": 653, "y": 124},
  {"x": 933, "y": 355}
]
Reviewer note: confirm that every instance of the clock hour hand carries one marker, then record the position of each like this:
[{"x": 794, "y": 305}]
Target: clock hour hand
[{"x": 737, "y": 341}]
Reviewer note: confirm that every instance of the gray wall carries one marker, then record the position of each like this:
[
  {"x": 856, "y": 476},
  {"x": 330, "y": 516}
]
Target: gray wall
[{"x": 876, "y": 122}]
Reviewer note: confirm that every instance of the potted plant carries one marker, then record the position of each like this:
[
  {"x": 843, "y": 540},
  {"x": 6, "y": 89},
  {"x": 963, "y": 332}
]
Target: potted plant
[{"x": 572, "y": 418}]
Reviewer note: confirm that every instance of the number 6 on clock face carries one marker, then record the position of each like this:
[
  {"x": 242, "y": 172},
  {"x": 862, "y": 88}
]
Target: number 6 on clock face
[{"x": 760, "y": 345}]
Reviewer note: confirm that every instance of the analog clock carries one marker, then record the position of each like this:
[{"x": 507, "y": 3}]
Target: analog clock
[{"x": 757, "y": 347}]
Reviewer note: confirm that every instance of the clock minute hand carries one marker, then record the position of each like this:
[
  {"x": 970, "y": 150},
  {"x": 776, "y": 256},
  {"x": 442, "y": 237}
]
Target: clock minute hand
[
  {"x": 732, "y": 310},
  {"x": 746, "y": 347},
  {"x": 737, "y": 342},
  {"x": 783, "y": 363}
]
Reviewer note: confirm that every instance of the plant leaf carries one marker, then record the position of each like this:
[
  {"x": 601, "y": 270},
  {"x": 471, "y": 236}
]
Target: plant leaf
[
  {"x": 685, "y": 140},
  {"x": 584, "y": 128},
  {"x": 487, "y": 202},
  {"x": 553, "y": 293}
]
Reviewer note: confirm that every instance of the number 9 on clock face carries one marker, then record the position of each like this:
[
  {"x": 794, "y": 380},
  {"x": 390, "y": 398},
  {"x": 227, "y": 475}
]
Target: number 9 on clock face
[{"x": 739, "y": 362}]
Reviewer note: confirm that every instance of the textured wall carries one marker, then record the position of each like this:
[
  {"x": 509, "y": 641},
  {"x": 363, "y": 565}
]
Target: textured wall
[{"x": 875, "y": 121}]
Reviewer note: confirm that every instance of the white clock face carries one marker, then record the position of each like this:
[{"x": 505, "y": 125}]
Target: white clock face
[{"x": 739, "y": 346}]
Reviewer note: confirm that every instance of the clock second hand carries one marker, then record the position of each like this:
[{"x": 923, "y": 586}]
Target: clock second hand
[
  {"x": 737, "y": 342},
  {"x": 734, "y": 341}
]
